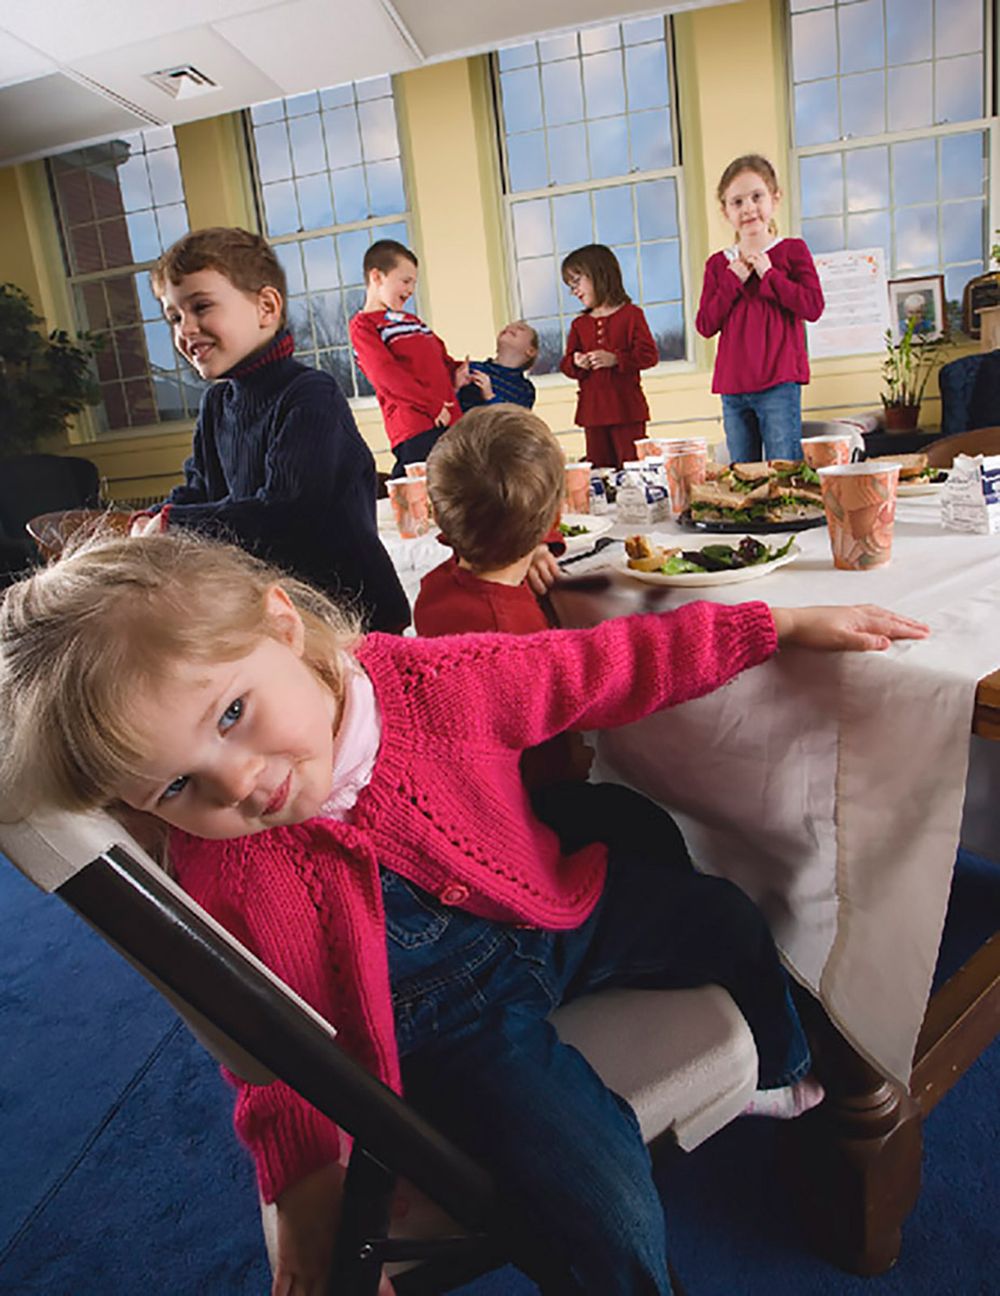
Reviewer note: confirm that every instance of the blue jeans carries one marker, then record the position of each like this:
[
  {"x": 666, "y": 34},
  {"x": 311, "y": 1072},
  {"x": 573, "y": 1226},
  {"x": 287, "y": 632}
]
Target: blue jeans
[
  {"x": 764, "y": 425},
  {"x": 481, "y": 1061}
]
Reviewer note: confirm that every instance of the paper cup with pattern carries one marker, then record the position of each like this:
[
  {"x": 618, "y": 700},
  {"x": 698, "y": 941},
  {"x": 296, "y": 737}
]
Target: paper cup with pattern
[
  {"x": 410, "y": 505},
  {"x": 824, "y": 451},
  {"x": 684, "y": 463},
  {"x": 417, "y": 469},
  {"x": 860, "y": 504},
  {"x": 647, "y": 447},
  {"x": 578, "y": 487}
]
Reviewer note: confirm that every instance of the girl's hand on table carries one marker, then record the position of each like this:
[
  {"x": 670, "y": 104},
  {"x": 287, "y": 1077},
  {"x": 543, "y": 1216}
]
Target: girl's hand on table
[
  {"x": 544, "y": 570},
  {"x": 863, "y": 628}
]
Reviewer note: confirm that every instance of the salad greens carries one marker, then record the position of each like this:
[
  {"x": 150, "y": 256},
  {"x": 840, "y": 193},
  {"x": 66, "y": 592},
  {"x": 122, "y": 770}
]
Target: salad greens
[
  {"x": 723, "y": 557},
  {"x": 567, "y": 530}
]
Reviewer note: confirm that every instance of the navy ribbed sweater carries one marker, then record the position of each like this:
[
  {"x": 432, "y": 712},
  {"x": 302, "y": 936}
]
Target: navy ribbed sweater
[{"x": 279, "y": 467}]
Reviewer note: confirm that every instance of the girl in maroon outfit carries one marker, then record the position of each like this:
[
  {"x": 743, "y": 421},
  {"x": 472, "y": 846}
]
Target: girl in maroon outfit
[{"x": 608, "y": 344}]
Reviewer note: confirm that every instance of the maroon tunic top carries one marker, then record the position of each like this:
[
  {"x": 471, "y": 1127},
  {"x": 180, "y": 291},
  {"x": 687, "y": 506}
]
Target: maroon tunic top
[{"x": 613, "y": 395}]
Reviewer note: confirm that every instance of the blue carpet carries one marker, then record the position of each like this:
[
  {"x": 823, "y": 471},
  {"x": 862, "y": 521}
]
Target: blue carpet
[{"x": 122, "y": 1175}]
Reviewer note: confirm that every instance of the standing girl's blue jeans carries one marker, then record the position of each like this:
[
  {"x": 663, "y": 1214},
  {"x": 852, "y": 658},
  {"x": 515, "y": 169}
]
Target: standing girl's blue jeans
[
  {"x": 764, "y": 425},
  {"x": 482, "y": 1062}
]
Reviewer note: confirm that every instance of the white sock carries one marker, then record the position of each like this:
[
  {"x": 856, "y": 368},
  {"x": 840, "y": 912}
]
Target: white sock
[{"x": 787, "y": 1102}]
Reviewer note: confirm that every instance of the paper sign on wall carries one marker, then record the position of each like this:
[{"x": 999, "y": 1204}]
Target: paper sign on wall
[{"x": 856, "y": 314}]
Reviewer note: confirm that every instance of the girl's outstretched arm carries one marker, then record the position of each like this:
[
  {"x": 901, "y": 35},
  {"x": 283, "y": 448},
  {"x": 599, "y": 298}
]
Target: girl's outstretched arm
[{"x": 864, "y": 628}]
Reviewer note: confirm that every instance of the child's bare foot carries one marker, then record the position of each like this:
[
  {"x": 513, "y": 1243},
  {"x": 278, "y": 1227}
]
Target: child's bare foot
[{"x": 788, "y": 1102}]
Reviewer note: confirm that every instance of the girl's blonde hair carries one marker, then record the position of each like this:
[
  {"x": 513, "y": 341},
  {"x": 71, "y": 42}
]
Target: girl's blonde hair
[
  {"x": 82, "y": 639},
  {"x": 760, "y": 166},
  {"x": 601, "y": 267}
]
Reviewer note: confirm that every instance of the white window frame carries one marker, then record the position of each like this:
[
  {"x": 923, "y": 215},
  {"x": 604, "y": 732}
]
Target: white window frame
[{"x": 676, "y": 173}]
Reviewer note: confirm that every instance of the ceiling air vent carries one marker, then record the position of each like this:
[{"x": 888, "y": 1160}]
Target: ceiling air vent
[{"x": 182, "y": 82}]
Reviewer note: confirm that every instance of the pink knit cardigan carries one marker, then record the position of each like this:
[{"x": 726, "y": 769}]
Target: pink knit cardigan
[{"x": 445, "y": 808}]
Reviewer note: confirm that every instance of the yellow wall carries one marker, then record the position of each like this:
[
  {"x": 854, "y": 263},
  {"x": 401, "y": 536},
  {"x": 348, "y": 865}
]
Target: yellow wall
[{"x": 732, "y": 99}]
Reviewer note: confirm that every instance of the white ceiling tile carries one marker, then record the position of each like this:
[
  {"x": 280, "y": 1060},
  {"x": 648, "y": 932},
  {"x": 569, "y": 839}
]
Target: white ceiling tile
[
  {"x": 34, "y": 116},
  {"x": 19, "y": 62}
]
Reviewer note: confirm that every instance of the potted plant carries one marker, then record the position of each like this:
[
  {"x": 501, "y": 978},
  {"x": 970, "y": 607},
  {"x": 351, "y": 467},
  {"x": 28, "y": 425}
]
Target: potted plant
[
  {"x": 43, "y": 380},
  {"x": 908, "y": 365}
]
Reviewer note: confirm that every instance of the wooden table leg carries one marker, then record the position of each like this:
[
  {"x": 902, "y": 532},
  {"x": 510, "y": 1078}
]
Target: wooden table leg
[{"x": 856, "y": 1158}]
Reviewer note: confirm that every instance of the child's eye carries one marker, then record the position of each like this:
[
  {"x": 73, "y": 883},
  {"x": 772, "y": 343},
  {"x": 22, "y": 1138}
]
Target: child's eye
[
  {"x": 232, "y": 714},
  {"x": 175, "y": 788}
]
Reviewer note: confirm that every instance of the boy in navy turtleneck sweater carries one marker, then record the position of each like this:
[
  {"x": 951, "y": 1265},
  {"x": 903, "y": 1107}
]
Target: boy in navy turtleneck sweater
[{"x": 278, "y": 464}]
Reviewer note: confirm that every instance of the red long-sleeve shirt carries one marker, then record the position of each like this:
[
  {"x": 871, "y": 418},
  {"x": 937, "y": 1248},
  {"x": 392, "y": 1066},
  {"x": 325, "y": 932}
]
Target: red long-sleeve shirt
[
  {"x": 763, "y": 341},
  {"x": 409, "y": 367},
  {"x": 614, "y": 395}
]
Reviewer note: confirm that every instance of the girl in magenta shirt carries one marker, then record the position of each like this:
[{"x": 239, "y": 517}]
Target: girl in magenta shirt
[
  {"x": 757, "y": 294},
  {"x": 351, "y": 809}
]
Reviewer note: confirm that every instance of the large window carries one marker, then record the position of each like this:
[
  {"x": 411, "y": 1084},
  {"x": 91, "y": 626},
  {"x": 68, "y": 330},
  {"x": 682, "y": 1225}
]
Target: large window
[
  {"x": 119, "y": 205},
  {"x": 590, "y": 156},
  {"x": 891, "y": 132},
  {"x": 330, "y": 182}
]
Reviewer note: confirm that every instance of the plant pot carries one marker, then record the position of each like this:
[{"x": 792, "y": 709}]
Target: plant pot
[{"x": 901, "y": 418}]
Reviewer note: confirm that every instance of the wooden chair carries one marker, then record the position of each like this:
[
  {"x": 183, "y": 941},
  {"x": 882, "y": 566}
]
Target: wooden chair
[
  {"x": 50, "y": 531},
  {"x": 684, "y": 1059},
  {"x": 986, "y": 441}
]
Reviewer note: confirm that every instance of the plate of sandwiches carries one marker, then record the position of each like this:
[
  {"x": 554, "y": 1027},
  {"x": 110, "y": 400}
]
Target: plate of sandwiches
[
  {"x": 772, "y": 495},
  {"x": 916, "y": 476},
  {"x": 658, "y": 560},
  {"x": 580, "y": 530}
]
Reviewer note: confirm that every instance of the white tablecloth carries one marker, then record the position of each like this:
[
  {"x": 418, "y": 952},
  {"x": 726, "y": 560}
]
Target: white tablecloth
[{"x": 831, "y": 787}]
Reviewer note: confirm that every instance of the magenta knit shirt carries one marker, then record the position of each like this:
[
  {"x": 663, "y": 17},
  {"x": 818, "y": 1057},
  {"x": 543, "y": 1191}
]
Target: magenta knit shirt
[{"x": 307, "y": 899}]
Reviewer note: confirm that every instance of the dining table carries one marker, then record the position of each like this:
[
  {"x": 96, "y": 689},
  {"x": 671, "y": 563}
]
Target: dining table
[{"x": 835, "y": 789}]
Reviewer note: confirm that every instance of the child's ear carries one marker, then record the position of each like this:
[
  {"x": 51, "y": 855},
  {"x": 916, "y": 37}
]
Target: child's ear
[
  {"x": 285, "y": 620},
  {"x": 269, "y": 304}
]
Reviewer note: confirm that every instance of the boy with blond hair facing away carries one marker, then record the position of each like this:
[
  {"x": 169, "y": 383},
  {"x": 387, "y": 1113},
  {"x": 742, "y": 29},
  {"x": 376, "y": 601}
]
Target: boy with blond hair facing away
[
  {"x": 404, "y": 360},
  {"x": 278, "y": 464}
]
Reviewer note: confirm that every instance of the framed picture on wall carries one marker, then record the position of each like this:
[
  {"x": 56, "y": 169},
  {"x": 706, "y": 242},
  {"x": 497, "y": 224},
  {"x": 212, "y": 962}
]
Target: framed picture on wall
[{"x": 921, "y": 300}]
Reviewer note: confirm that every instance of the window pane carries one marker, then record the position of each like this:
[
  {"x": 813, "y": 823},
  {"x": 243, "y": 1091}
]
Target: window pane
[
  {"x": 871, "y": 229},
  {"x": 379, "y": 87},
  {"x": 661, "y": 272},
  {"x": 378, "y": 129},
  {"x": 824, "y": 235},
  {"x": 563, "y": 93},
  {"x": 910, "y": 96},
  {"x": 297, "y": 105},
  {"x": 958, "y": 27},
  {"x": 350, "y": 195},
  {"x": 600, "y": 38},
  {"x": 574, "y": 226},
  {"x": 959, "y": 89},
  {"x": 515, "y": 56},
  {"x": 558, "y": 47},
  {"x": 814, "y": 45},
  {"x": 816, "y": 113},
  {"x": 646, "y": 76},
  {"x": 629, "y": 262},
  {"x": 290, "y": 256},
  {"x": 532, "y": 228},
  {"x": 914, "y": 172},
  {"x": 867, "y": 173},
  {"x": 144, "y": 241},
  {"x": 123, "y": 303},
  {"x": 160, "y": 346},
  {"x": 149, "y": 306},
  {"x": 522, "y": 100},
  {"x": 173, "y": 223},
  {"x": 963, "y": 165},
  {"x": 861, "y": 37},
  {"x": 652, "y": 146},
  {"x": 320, "y": 264},
  {"x": 315, "y": 202},
  {"x": 608, "y": 147},
  {"x": 329, "y": 323},
  {"x": 133, "y": 179},
  {"x": 351, "y": 249},
  {"x": 267, "y": 112},
  {"x": 343, "y": 139},
  {"x": 657, "y": 207},
  {"x": 550, "y": 344},
  {"x": 862, "y": 104},
  {"x": 526, "y": 161},
  {"x": 963, "y": 228},
  {"x": 822, "y": 180},
  {"x": 666, "y": 323},
  {"x": 642, "y": 29},
  {"x": 306, "y": 137},
  {"x": 908, "y": 30},
  {"x": 538, "y": 286},
  {"x": 917, "y": 238},
  {"x": 300, "y": 323},
  {"x": 336, "y": 96},
  {"x": 385, "y": 188},
  {"x": 613, "y": 215},
  {"x": 281, "y": 209},
  {"x": 568, "y": 154},
  {"x": 274, "y": 161},
  {"x": 604, "y": 84}
]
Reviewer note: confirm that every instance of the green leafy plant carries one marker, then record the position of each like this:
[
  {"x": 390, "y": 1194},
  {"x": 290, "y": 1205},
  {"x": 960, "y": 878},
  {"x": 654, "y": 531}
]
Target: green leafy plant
[
  {"x": 908, "y": 365},
  {"x": 43, "y": 380},
  {"x": 995, "y": 249}
]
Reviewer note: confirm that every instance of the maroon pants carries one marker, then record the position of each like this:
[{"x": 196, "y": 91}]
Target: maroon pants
[{"x": 609, "y": 445}]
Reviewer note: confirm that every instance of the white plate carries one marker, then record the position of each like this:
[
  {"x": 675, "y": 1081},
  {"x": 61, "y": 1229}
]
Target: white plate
[
  {"x": 596, "y": 526},
  {"x": 734, "y": 576},
  {"x": 905, "y": 489}
]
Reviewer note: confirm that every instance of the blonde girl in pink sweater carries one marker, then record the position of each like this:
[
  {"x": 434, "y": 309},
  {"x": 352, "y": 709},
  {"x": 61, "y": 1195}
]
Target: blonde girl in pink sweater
[{"x": 351, "y": 809}]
